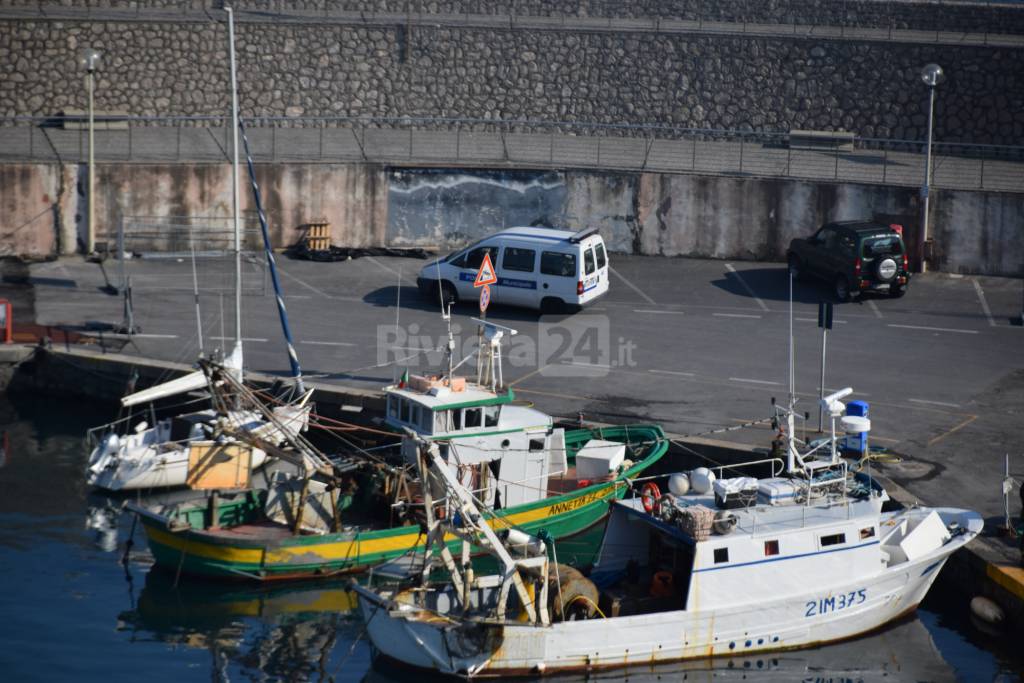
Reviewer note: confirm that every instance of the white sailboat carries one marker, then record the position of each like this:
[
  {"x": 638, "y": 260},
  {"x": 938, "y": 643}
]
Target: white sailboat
[
  {"x": 145, "y": 456},
  {"x": 730, "y": 568}
]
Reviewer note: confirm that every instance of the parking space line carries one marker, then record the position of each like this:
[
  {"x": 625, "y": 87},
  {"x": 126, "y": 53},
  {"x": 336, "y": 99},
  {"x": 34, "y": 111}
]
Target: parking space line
[
  {"x": 737, "y": 315},
  {"x": 932, "y": 329},
  {"x": 632, "y": 286},
  {"x": 984, "y": 303},
  {"x": 245, "y": 339},
  {"x": 326, "y": 343},
  {"x": 672, "y": 372},
  {"x": 139, "y": 335},
  {"x": 874, "y": 307},
  {"x": 955, "y": 429},
  {"x": 657, "y": 312},
  {"x": 934, "y": 403},
  {"x": 384, "y": 266},
  {"x": 814, "y": 320},
  {"x": 580, "y": 364},
  {"x": 755, "y": 381},
  {"x": 728, "y": 266},
  {"x": 527, "y": 375}
]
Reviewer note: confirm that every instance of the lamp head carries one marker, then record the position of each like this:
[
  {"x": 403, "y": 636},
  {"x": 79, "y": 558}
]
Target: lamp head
[
  {"x": 932, "y": 75},
  {"x": 90, "y": 59}
]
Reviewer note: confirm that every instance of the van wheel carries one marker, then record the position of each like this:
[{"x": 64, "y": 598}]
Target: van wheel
[
  {"x": 842, "y": 288},
  {"x": 550, "y": 304}
]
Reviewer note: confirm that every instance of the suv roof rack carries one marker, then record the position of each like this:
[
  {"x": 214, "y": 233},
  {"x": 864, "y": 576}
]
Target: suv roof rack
[{"x": 863, "y": 225}]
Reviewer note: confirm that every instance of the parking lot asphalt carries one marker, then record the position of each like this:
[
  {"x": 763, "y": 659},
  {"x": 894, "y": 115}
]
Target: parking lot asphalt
[{"x": 699, "y": 346}]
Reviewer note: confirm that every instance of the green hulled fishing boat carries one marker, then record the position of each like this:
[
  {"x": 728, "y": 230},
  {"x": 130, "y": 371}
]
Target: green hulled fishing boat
[{"x": 348, "y": 515}]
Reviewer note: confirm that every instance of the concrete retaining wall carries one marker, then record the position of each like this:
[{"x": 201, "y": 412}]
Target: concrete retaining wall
[{"x": 641, "y": 213}]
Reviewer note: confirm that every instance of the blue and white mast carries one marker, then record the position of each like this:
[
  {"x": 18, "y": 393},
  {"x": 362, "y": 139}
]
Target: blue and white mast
[{"x": 235, "y": 359}]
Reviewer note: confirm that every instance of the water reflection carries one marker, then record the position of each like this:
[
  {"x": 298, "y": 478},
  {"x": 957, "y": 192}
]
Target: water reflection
[{"x": 291, "y": 631}]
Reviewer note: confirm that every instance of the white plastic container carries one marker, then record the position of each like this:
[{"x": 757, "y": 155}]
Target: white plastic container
[{"x": 599, "y": 458}]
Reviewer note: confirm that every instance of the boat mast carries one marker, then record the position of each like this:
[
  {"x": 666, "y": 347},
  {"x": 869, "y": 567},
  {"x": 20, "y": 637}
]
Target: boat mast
[{"x": 236, "y": 200}]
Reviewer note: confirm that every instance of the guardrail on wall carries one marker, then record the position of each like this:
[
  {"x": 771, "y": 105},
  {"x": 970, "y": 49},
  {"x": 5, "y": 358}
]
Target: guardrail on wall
[{"x": 523, "y": 144}]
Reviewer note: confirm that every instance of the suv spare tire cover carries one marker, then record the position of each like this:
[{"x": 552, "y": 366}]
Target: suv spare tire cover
[{"x": 886, "y": 269}]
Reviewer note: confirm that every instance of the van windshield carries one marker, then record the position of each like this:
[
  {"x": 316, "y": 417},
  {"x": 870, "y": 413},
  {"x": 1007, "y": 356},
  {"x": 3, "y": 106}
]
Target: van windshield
[{"x": 882, "y": 245}]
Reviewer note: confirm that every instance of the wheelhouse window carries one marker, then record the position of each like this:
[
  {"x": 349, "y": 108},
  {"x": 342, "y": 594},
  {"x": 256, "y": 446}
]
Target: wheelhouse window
[
  {"x": 558, "y": 264},
  {"x": 426, "y": 423},
  {"x": 393, "y": 402},
  {"x": 833, "y": 539},
  {"x": 456, "y": 419},
  {"x": 771, "y": 548},
  {"x": 867, "y": 532},
  {"x": 472, "y": 417},
  {"x": 521, "y": 260},
  {"x": 588, "y": 261},
  {"x": 404, "y": 408},
  {"x": 491, "y": 416},
  {"x": 414, "y": 416},
  {"x": 602, "y": 260},
  {"x": 721, "y": 555},
  {"x": 536, "y": 444}
]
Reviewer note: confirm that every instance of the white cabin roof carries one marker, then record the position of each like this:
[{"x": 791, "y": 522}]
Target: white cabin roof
[{"x": 472, "y": 395}]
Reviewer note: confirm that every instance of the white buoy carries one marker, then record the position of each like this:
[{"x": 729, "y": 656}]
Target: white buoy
[
  {"x": 679, "y": 484},
  {"x": 987, "y": 610},
  {"x": 701, "y": 480}
]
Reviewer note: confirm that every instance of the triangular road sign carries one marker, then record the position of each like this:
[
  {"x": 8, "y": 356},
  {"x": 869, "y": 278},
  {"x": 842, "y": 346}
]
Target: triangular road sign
[{"x": 485, "y": 276}]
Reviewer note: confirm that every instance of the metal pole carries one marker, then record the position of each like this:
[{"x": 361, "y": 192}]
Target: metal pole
[
  {"x": 922, "y": 238},
  {"x": 234, "y": 183},
  {"x": 821, "y": 387},
  {"x": 195, "y": 293},
  {"x": 90, "y": 238}
]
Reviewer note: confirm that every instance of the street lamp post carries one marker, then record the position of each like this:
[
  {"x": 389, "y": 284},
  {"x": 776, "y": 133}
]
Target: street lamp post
[
  {"x": 90, "y": 61},
  {"x": 932, "y": 75}
]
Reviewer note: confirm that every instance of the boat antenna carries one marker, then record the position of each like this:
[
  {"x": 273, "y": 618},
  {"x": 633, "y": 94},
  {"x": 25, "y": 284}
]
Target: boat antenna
[
  {"x": 236, "y": 200},
  {"x": 790, "y": 420},
  {"x": 195, "y": 294},
  {"x": 446, "y": 315},
  {"x": 398, "y": 311}
]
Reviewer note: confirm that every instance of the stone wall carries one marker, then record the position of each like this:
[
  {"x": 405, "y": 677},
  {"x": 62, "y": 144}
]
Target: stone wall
[{"x": 686, "y": 80}]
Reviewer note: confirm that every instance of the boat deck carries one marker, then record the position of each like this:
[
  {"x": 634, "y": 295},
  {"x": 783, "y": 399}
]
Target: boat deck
[{"x": 255, "y": 531}]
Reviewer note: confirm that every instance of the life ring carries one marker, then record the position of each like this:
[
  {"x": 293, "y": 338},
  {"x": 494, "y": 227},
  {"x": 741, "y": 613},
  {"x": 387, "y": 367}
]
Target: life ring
[{"x": 650, "y": 496}]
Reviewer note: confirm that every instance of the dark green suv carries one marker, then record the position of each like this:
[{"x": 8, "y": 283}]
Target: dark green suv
[{"x": 855, "y": 257}]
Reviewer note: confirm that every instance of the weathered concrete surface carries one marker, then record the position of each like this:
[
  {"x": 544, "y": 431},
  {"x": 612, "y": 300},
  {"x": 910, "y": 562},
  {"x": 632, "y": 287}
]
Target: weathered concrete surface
[
  {"x": 369, "y": 205},
  {"x": 38, "y": 205}
]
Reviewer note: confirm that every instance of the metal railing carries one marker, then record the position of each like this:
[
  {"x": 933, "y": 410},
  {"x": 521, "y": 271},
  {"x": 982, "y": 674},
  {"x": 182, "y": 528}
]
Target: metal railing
[
  {"x": 518, "y": 144},
  {"x": 977, "y": 17}
]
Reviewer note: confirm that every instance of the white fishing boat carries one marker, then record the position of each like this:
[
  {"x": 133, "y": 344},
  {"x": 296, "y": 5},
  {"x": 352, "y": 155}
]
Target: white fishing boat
[
  {"x": 131, "y": 453},
  {"x": 712, "y": 568}
]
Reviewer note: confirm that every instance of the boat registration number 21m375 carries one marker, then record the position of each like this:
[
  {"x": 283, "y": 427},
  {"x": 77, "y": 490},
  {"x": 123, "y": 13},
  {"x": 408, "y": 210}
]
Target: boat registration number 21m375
[{"x": 834, "y": 603}]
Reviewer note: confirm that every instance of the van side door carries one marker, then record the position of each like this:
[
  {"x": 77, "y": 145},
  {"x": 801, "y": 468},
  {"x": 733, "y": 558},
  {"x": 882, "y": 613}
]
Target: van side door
[{"x": 517, "y": 275}]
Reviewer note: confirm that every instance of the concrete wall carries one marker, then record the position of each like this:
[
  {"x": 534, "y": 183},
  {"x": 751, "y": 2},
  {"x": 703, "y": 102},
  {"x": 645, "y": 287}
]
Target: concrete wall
[{"x": 648, "y": 213}]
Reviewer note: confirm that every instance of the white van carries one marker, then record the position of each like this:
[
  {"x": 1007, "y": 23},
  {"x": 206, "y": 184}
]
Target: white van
[{"x": 536, "y": 268}]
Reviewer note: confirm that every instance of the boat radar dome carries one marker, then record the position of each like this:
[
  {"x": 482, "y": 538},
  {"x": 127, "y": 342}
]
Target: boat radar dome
[{"x": 701, "y": 480}]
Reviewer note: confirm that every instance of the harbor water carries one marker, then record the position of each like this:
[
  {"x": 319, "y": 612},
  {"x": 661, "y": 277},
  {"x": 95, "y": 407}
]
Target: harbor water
[{"x": 80, "y": 600}]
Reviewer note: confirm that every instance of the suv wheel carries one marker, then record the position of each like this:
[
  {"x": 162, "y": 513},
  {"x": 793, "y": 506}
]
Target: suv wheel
[
  {"x": 842, "y": 288},
  {"x": 795, "y": 271}
]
